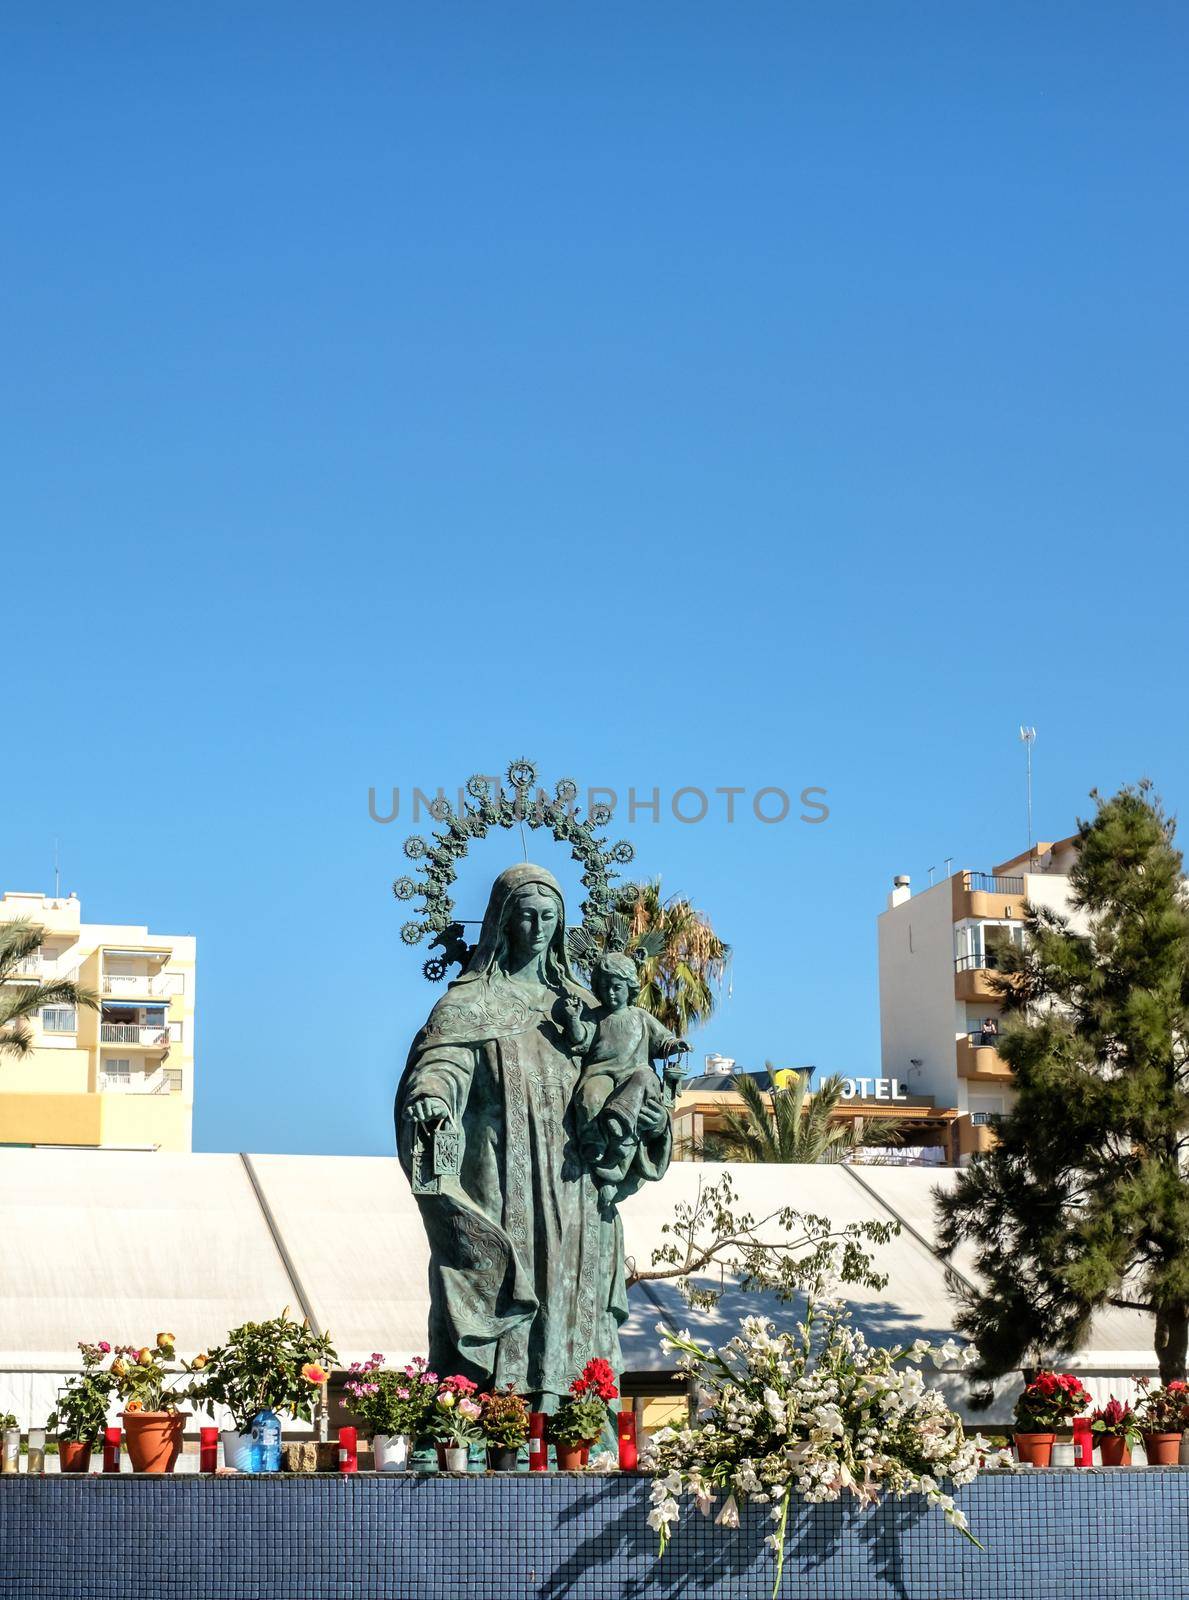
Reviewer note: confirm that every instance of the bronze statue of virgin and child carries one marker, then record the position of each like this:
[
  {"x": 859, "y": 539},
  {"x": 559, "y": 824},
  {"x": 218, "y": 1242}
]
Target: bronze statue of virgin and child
[{"x": 529, "y": 1107}]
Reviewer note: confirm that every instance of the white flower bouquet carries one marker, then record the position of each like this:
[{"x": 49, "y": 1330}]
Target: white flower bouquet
[{"x": 816, "y": 1412}]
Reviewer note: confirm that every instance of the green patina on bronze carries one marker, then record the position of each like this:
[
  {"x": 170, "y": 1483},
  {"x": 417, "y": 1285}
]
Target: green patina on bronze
[{"x": 526, "y": 1269}]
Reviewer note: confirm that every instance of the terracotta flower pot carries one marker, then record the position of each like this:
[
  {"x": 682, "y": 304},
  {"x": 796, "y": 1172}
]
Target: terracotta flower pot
[
  {"x": 74, "y": 1455},
  {"x": 154, "y": 1439},
  {"x": 570, "y": 1456},
  {"x": 1162, "y": 1449},
  {"x": 1113, "y": 1450},
  {"x": 1035, "y": 1449}
]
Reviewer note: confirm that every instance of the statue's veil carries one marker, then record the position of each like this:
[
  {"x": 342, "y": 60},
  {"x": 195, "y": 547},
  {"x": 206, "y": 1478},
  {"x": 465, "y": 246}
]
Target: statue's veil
[{"x": 490, "y": 948}]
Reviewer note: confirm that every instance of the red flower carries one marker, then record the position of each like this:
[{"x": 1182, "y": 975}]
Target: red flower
[
  {"x": 459, "y": 1384},
  {"x": 599, "y": 1376}
]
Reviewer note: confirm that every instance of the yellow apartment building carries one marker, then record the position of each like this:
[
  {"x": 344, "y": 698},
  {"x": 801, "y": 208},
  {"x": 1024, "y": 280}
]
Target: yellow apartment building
[{"x": 118, "y": 1078}]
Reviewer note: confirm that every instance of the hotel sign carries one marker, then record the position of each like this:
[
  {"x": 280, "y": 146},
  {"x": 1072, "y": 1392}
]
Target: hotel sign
[{"x": 873, "y": 1089}]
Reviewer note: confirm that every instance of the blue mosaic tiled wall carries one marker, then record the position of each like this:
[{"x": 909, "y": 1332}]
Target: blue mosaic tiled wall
[{"x": 1088, "y": 1535}]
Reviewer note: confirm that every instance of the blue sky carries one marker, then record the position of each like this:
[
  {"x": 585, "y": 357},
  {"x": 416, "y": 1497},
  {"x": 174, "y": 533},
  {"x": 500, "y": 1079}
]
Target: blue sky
[{"x": 680, "y": 395}]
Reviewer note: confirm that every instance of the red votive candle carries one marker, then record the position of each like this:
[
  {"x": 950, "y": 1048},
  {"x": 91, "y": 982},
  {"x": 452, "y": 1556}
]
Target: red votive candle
[
  {"x": 348, "y": 1449},
  {"x": 538, "y": 1450},
  {"x": 208, "y": 1449},
  {"x": 1083, "y": 1441},
  {"x": 111, "y": 1449},
  {"x": 625, "y": 1428}
]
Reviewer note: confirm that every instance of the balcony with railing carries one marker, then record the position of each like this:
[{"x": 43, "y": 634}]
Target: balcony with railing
[
  {"x": 144, "y": 1036},
  {"x": 164, "y": 1080},
  {"x": 978, "y": 1058},
  {"x": 991, "y": 883},
  {"x": 987, "y": 894},
  {"x": 975, "y": 977},
  {"x": 139, "y": 984}
]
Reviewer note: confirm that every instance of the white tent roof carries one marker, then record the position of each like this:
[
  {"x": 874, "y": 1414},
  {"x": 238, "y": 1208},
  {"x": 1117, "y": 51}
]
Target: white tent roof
[{"x": 119, "y": 1245}]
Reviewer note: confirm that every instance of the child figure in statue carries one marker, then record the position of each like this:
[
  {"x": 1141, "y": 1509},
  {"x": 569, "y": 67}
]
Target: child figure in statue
[{"x": 618, "y": 1045}]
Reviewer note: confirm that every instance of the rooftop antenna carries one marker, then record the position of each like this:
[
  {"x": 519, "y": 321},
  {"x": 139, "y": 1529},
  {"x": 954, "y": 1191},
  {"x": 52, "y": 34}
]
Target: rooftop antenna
[
  {"x": 57, "y": 870},
  {"x": 949, "y": 863},
  {"x": 1028, "y": 739},
  {"x": 932, "y": 870}
]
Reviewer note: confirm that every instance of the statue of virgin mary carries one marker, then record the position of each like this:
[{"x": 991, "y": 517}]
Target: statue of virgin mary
[{"x": 526, "y": 1278}]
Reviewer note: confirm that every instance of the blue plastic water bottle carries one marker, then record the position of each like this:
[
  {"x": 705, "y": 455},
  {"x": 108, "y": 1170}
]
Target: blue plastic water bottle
[{"x": 266, "y": 1441}]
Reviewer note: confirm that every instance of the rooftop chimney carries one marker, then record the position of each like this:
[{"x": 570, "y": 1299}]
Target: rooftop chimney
[{"x": 901, "y": 890}]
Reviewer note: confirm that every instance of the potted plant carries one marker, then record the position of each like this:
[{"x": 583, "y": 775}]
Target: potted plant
[
  {"x": 454, "y": 1422},
  {"x": 81, "y": 1413},
  {"x": 1116, "y": 1430},
  {"x": 504, "y": 1421},
  {"x": 582, "y": 1415},
  {"x": 393, "y": 1406},
  {"x": 1049, "y": 1402},
  {"x": 264, "y": 1370},
  {"x": 1162, "y": 1417},
  {"x": 152, "y": 1420}
]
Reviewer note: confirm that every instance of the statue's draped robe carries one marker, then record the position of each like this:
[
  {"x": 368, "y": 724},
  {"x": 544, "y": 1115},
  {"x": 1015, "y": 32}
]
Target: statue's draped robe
[{"x": 526, "y": 1272}]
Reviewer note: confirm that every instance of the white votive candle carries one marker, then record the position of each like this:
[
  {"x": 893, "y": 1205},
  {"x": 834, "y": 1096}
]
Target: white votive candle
[
  {"x": 1064, "y": 1455},
  {"x": 36, "y": 1461},
  {"x": 10, "y": 1459}
]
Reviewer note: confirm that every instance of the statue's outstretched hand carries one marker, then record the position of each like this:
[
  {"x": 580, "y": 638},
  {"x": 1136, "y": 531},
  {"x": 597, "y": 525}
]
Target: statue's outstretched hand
[{"x": 427, "y": 1109}]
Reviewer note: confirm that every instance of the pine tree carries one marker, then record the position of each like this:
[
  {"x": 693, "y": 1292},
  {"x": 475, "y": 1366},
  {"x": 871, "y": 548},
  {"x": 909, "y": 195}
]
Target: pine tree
[{"x": 1084, "y": 1201}]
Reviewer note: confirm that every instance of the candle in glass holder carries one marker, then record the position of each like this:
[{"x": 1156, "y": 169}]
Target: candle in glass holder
[
  {"x": 111, "y": 1449},
  {"x": 36, "y": 1460},
  {"x": 10, "y": 1459},
  {"x": 348, "y": 1450},
  {"x": 629, "y": 1455},
  {"x": 538, "y": 1450},
  {"x": 208, "y": 1449}
]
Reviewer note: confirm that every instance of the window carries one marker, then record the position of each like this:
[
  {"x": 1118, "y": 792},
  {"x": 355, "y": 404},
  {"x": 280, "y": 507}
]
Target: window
[
  {"x": 117, "y": 1074},
  {"x": 976, "y": 944},
  {"x": 59, "y": 1019},
  {"x": 983, "y": 1107},
  {"x": 998, "y": 934}
]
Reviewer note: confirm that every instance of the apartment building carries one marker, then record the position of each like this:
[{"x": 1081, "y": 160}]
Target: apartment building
[
  {"x": 121, "y": 1077},
  {"x": 938, "y": 953}
]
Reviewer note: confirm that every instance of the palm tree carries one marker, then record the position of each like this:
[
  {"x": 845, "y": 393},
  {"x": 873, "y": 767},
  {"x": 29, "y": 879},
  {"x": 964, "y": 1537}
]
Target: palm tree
[
  {"x": 796, "y": 1127},
  {"x": 680, "y": 958},
  {"x": 20, "y": 1000}
]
